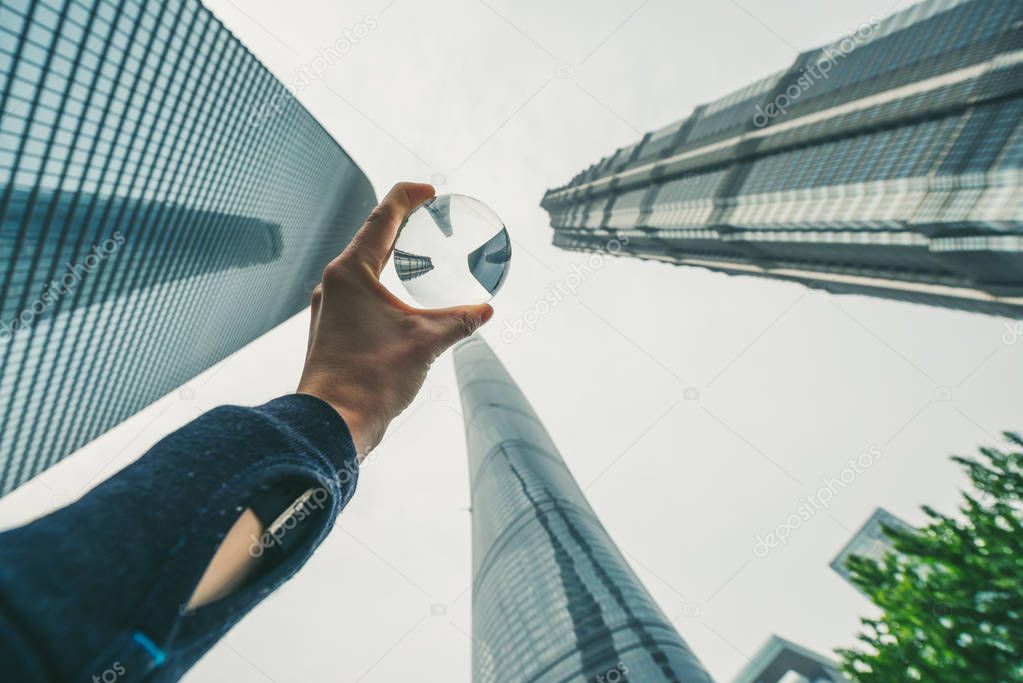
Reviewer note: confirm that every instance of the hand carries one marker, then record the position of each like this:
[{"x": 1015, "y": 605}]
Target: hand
[{"x": 368, "y": 352}]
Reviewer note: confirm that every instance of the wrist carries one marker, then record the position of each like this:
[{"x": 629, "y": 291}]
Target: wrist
[
  {"x": 353, "y": 419},
  {"x": 356, "y": 427}
]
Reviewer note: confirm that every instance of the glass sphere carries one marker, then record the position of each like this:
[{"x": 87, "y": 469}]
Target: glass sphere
[{"x": 452, "y": 250}]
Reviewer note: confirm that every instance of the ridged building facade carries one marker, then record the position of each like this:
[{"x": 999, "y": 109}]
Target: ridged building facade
[
  {"x": 887, "y": 163},
  {"x": 162, "y": 203},
  {"x": 553, "y": 600},
  {"x": 870, "y": 541}
]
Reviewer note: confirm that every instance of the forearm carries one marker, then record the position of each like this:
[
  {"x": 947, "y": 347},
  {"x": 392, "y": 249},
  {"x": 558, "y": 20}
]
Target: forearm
[
  {"x": 125, "y": 576},
  {"x": 121, "y": 566},
  {"x": 241, "y": 551},
  {"x": 233, "y": 563}
]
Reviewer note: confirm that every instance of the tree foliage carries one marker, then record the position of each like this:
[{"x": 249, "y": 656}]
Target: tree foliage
[{"x": 952, "y": 595}]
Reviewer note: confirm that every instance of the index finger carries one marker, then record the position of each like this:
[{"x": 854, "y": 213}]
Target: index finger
[{"x": 375, "y": 239}]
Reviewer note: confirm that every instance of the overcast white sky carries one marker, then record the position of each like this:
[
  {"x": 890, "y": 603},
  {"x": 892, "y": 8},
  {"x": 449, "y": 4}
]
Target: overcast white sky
[{"x": 791, "y": 383}]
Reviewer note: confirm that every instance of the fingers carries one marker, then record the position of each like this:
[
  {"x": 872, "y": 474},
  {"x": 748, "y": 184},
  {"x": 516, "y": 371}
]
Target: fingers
[
  {"x": 456, "y": 323},
  {"x": 374, "y": 241}
]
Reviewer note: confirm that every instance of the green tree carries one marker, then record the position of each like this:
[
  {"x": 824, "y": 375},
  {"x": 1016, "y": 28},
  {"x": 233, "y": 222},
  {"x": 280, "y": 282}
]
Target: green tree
[{"x": 952, "y": 594}]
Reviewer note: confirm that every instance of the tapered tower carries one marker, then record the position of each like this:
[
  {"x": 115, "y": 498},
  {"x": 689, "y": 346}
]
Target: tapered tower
[{"x": 553, "y": 598}]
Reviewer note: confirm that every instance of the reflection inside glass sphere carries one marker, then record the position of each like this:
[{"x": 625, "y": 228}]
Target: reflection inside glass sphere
[{"x": 452, "y": 250}]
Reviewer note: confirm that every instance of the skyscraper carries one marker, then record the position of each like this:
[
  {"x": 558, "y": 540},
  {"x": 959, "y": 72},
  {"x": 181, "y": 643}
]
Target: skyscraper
[
  {"x": 163, "y": 201},
  {"x": 782, "y": 661},
  {"x": 870, "y": 541},
  {"x": 553, "y": 598},
  {"x": 886, "y": 163}
]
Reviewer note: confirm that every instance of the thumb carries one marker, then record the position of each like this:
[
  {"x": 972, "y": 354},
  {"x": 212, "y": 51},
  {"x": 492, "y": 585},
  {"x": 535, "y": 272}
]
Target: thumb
[{"x": 458, "y": 322}]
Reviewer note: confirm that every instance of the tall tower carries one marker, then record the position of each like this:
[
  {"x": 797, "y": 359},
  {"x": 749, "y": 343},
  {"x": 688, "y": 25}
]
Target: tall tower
[
  {"x": 870, "y": 541},
  {"x": 782, "y": 661},
  {"x": 887, "y": 163},
  {"x": 164, "y": 200},
  {"x": 552, "y": 599}
]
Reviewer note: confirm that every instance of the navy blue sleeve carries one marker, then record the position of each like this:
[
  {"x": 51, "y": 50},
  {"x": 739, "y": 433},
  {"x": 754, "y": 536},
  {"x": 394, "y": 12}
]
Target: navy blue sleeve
[{"x": 101, "y": 585}]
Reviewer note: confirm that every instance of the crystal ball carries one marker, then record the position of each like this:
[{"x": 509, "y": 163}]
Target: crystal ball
[{"x": 452, "y": 250}]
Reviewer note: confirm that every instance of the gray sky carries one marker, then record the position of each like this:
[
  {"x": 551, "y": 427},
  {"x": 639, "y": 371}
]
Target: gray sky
[{"x": 791, "y": 383}]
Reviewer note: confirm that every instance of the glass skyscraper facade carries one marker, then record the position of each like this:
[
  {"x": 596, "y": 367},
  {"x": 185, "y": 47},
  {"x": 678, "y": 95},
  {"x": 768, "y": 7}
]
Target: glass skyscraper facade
[
  {"x": 870, "y": 541},
  {"x": 155, "y": 213},
  {"x": 553, "y": 598},
  {"x": 887, "y": 163},
  {"x": 782, "y": 661}
]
